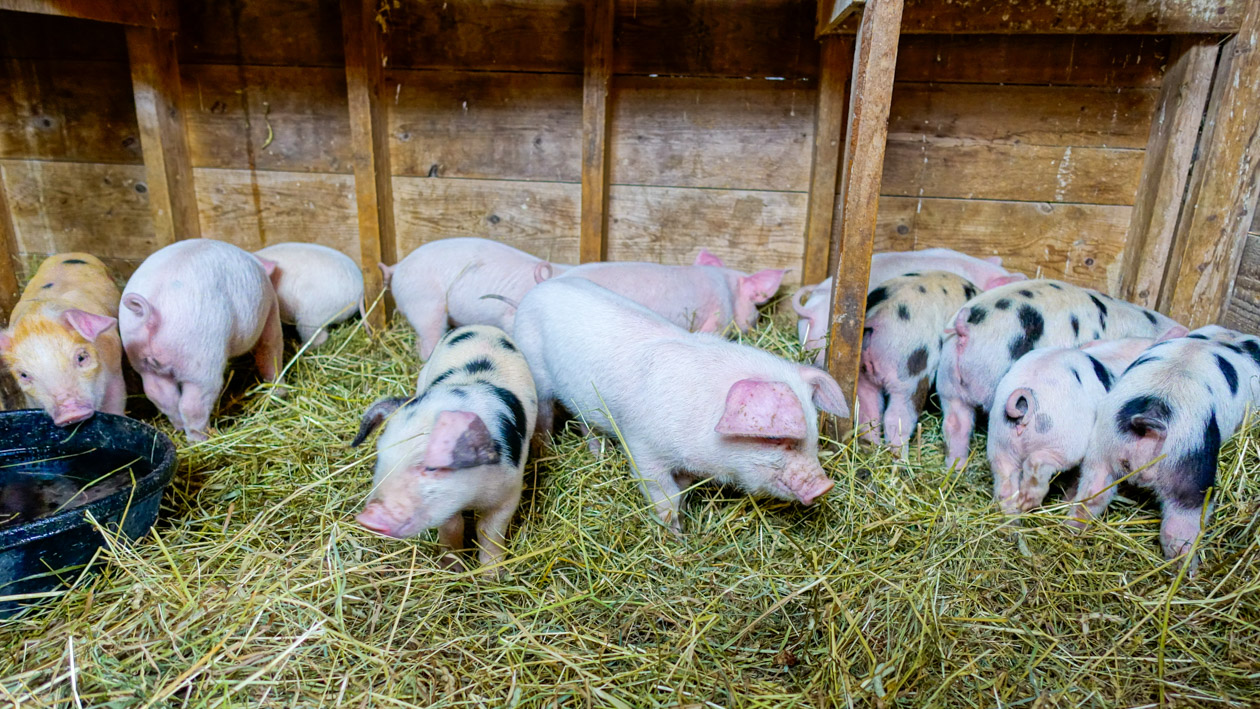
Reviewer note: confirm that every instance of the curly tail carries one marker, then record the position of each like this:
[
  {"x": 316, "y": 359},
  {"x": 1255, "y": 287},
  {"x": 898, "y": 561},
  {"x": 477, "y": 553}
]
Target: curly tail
[
  {"x": 1021, "y": 406},
  {"x": 798, "y": 297},
  {"x": 543, "y": 271}
]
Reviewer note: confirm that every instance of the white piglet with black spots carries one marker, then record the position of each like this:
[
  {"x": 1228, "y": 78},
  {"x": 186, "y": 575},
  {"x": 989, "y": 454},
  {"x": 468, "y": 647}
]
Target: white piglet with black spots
[
  {"x": 1162, "y": 426},
  {"x": 458, "y": 444}
]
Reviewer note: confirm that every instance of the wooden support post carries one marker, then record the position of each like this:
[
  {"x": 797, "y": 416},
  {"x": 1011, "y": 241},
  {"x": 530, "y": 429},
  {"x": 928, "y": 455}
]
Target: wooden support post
[
  {"x": 163, "y": 140},
  {"x": 9, "y": 290},
  {"x": 874, "y": 63},
  {"x": 1166, "y": 170},
  {"x": 597, "y": 77},
  {"x": 833, "y": 13},
  {"x": 829, "y": 120},
  {"x": 1224, "y": 185},
  {"x": 369, "y": 145}
]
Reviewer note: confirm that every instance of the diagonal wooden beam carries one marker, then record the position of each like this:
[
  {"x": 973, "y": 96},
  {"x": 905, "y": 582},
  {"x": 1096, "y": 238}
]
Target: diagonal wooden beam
[
  {"x": 597, "y": 79},
  {"x": 160, "y": 14},
  {"x": 833, "y": 13},
  {"x": 829, "y": 123},
  {"x": 874, "y": 64}
]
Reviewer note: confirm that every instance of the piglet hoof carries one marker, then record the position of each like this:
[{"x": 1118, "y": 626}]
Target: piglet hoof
[
  {"x": 1078, "y": 519},
  {"x": 197, "y": 436},
  {"x": 450, "y": 562},
  {"x": 595, "y": 445},
  {"x": 280, "y": 391},
  {"x": 494, "y": 573}
]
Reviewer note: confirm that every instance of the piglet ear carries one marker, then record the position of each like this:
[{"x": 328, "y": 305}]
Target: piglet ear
[
  {"x": 761, "y": 286},
  {"x": 760, "y": 409},
  {"x": 89, "y": 325},
  {"x": 268, "y": 265},
  {"x": 827, "y": 395},
  {"x": 460, "y": 439},
  {"x": 142, "y": 309},
  {"x": 6, "y": 342},
  {"x": 995, "y": 260},
  {"x": 375, "y": 415},
  {"x": 1173, "y": 333},
  {"x": 704, "y": 258},
  {"x": 1003, "y": 280},
  {"x": 386, "y": 272}
]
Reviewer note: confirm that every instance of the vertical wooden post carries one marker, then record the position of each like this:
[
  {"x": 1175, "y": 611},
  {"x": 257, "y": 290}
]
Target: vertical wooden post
[
  {"x": 369, "y": 145},
  {"x": 874, "y": 64},
  {"x": 829, "y": 120},
  {"x": 1224, "y": 184},
  {"x": 597, "y": 77},
  {"x": 163, "y": 140},
  {"x": 9, "y": 290},
  {"x": 1166, "y": 169}
]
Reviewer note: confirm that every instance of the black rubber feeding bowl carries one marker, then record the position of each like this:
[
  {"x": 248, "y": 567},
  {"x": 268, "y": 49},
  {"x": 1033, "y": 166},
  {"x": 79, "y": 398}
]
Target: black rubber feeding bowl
[{"x": 51, "y": 477}]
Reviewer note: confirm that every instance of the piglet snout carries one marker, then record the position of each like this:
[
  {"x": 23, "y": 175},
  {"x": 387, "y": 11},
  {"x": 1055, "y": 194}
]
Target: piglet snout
[
  {"x": 72, "y": 412},
  {"x": 807, "y": 486},
  {"x": 378, "y": 519}
]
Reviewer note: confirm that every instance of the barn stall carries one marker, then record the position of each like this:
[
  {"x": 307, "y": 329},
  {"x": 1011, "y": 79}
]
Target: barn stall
[{"x": 1110, "y": 144}]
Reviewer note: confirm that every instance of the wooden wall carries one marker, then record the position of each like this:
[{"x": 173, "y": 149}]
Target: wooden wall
[{"x": 1025, "y": 147}]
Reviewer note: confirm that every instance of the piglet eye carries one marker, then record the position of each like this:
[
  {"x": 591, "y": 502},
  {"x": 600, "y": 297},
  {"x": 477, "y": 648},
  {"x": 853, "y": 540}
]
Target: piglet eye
[
  {"x": 83, "y": 357},
  {"x": 24, "y": 376},
  {"x": 1124, "y": 465}
]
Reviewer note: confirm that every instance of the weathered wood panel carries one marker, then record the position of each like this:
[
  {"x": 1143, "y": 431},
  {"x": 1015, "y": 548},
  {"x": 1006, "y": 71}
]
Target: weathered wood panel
[
  {"x": 1108, "y": 60},
  {"x": 748, "y": 230},
  {"x": 485, "y": 125},
  {"x": 1037, "y": 115},
  {"x": 254, "y": 209},
  {"x": 539, "y": 217},
  {"x": 729, "y": 133},
  {"x": 68, "y": 110},
  {"x": 273, "y": 32},
  {"x": 1243, "y": 309},
  {"x": 507, "y": 35},
  {"x": 140, "y": 13},
  {"x": 63, "y": 38},
  {"x": 101, "y": 209},
  {"x": 1006, "y": 171},
  {"x": 269, "y": 118},
  {"x": 10, "y": 262},
  {"x": 1079, "y": 243},
  {"x": 596, "y": 117},
  {"x": 827, "y": 155},
  {"x": 1068, "y": 17}
]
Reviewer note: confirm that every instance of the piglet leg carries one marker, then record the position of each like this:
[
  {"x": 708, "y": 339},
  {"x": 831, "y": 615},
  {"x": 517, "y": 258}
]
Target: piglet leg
[
  {"x": 115, "y": 395},
  {"x": 451, "y": 538},
  {"x": 661, "y": 489},
  {"x": 492, "y": 528},
  {"x": 163, "y": 391},
  {"x": 269, "y": 351},
  {"x": 1093, "y": 493},
  {"x": 196, "y": 402},
  {"x": 870, "y": 409},
  {"x": 959, "y": 420},
  {"x": 900, "y": 417}
]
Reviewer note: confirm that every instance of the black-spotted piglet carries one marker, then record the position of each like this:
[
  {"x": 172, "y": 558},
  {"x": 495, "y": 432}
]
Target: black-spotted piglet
[
  {"x": 1176, "y": 403},
  {"x": 995, "y": 329},
  {"x": 905, "y": 323},
  {"x": 458, "y": 444}
]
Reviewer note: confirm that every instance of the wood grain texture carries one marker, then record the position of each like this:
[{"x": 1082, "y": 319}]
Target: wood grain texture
[
  {"x": 502, "y": 35},
  {"x": 824, "y": 183},
  {"x": 160, "y": 113},
  {"x": 1006, "y": 171},
  {"x": 831, "y": 13},
  {"x": 253, "y": 209},
  {"x": 101, "y": 209},
  {"x": 141, "y": 13},
  {"x": 1243, "y": 310},
  {"x": 596, "y": 114},
  {"x": 539, "y": 217},
  {"x": 1036, "y": 115},
  {"x": 874, "y": 65},
  {"x": 267, "y": 32},
  {"x": 748, "y": 230},
  {"x": 268, "y": 118},
  {"x": 712, "y": 132},
  {"x": 369, "y": 146},
  {"x": 1224, "y": 186},
  {"x": 61, "y": 38},
  {"x": 80, "y": 111},
  {"x": 1166, "y": 170},
  {"x": 1079, "y": 243},
  {"x": 1068, "y": 17},
  {"x": 10, "y": 287},
  {"x": 1062, "y": 60},
  {"x": 485, "y": 124}
]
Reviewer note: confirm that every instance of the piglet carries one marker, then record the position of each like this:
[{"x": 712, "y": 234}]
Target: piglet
[
  {"x": 449, "y": 281},
  {"x": 812, "y": 303},
  {"x": 993, "y": 330},
  {"x": 1043, "y": 414},
  {"x": 315, "y": 285},
  {"x": 62, "y": 342},
  {"x": 1161, "y": 427},
  {"x": 684, "y": 405},
  {"x": 186, "y": 311},
  {"x": 703, "y": 297},
  {"x": 458, "y": 444},
  {"x": 905, "y": 319}
]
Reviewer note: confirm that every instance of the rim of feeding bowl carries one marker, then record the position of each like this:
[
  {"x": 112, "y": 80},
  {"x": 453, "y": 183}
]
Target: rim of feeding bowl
[{"x": 162, "y": 470}]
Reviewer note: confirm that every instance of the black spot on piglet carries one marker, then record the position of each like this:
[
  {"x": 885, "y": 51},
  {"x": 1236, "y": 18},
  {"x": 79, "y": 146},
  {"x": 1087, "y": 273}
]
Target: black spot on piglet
[
  {"x": 1076, "y": 327},
  {"x": 903, "y": 312},
  {"x": 1101, "y": 372},
  {"x": 47, "y": 285},
  {"x": 917, "y": 362},
  {"x": 481, "y": 364},
  {"x": 1150, "y": 316},
  {"x": 511, "y": 424},
  {"x": 1197, "y": 336},
  {"x": 1253, "y": 350},
  {"x": 1142, "y": 414},
  {"x": 506, "y": 344},
  {"x": 1033, "y": 324},
  {"x": 1003, "y": 304},
  {"x": 75, "y": 261},
  {"x": 1026, "y": 293},
  {"x": 977, "y": 315},
  {"x": 461, "y": 337},
  {"x": 876, "y": 297},
  {"x": 442, "y": 377},
  {"x": 969, "y": 291},
  {"x": 1228, "y": 371},
  {"x": 1190, "y": 479}
]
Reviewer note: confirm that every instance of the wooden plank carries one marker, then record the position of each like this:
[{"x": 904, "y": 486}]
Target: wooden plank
[
  {"x": 1243, "y": 311},
  {"x": 833, "y": 90},
  {"x": 10, "y": 287},
  {"x": 268, "y": 118},
  {"x": 80, "y": 111},
  {"x": 254, "y": 208},
  {"x": 1063, "y": 60},
  {"x": 369, "y": 145},
  {"x": 874, "y": 64},
  {"x": 1169, "y": 152},
  {"x": 499, "y": 36},
  {"x": 62, "y": 206},
  {"x": 596, "y": 81},
  {"x": 160, "y": 112},
  {"x": 485, "y": 124},
  {"x": 1068, "y": 17},
  {"x": 1012, "y": 172},
  {"x": 1035, "y": 115},
  {"x": 539, "y": 217},
  {"x": 158, "y": 14},
  {"x": 262, "y": 32},
  {"x": 832, "y": 13},
  {"x": 61, "y": 38},
  {"x": 1224, "y": 186},
  {"x": 1079, "y": 243},
  {"x": 749, "y": 230}
]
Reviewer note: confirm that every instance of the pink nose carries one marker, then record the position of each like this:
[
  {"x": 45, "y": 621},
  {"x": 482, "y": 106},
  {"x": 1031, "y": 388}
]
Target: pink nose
[
  {"x": 811, "y": 496},
  {"x": 374, "y": 518},
  {"x": 74, "y": 414}
]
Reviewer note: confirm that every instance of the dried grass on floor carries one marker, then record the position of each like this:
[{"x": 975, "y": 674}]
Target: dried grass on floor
[{"x": 900, "y": 589}]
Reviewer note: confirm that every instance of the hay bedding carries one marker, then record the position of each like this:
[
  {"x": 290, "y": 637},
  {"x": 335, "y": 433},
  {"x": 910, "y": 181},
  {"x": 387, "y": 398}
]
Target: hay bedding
[{"x": 900, "y": 589}]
